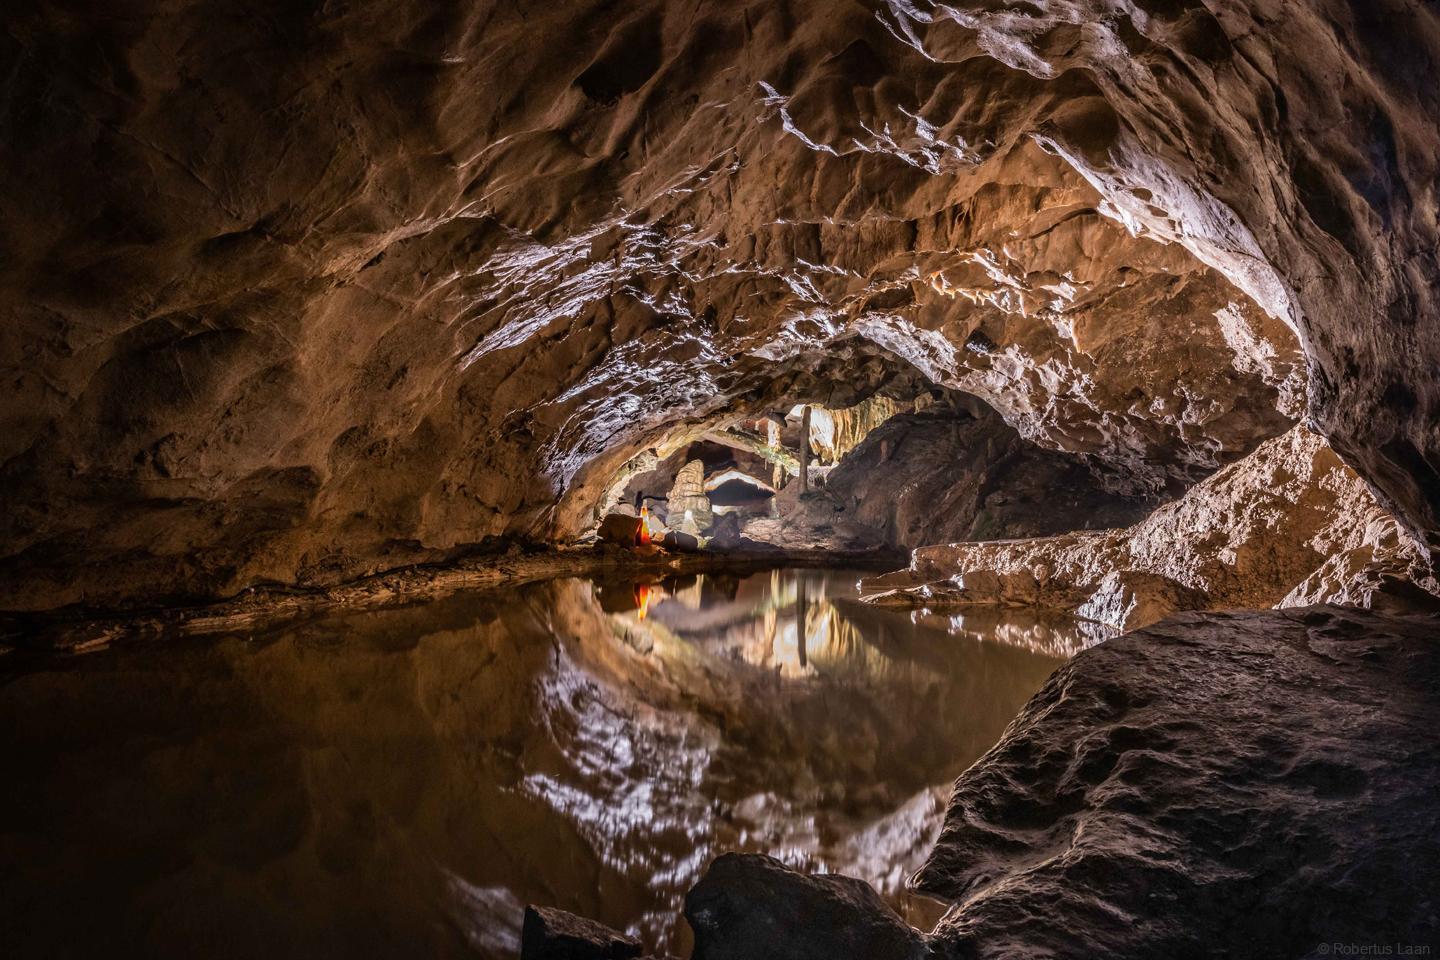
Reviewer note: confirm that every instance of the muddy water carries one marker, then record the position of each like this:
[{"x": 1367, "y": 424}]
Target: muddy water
[{"x": 402, "y": 782}]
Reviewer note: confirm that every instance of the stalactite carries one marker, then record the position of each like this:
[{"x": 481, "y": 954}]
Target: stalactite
[{"x": 834, "y": 433}]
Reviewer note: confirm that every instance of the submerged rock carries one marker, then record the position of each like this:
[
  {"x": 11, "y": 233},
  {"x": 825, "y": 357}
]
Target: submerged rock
[
  {"x": 552, "y": 934},
  {"x": 751, "y": 907}
]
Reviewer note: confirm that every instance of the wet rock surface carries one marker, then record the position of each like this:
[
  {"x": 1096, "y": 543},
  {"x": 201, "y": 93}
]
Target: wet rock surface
[
  {"x": 1254, "y": 783},
  {"x": 1288, "y": 525},
  {"x": 755, "y": 908},
  {"x": 551, "y": 934}
]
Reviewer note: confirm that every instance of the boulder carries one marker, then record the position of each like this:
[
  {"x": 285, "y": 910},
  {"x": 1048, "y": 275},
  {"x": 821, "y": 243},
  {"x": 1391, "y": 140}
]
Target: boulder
[
  {"x": 752, "y": 907},
  {"x": 1236, "y": 784},
  {"x": 680, "y": 542},
  {"x": 619, "y": 528},
  {"x": 552, "y": 934}
]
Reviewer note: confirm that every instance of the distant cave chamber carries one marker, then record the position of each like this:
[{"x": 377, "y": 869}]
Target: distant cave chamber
[{"x": 940, "y": 466}]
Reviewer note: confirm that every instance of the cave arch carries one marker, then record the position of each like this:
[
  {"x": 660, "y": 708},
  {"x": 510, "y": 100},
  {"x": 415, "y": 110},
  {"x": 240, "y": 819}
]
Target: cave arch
[{"x": 420, "y": 308}]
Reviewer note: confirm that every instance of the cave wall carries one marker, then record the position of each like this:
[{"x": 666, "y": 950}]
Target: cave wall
[
  {"x": 1289, "y": 525},
  {"x": 297, "y": 291}
]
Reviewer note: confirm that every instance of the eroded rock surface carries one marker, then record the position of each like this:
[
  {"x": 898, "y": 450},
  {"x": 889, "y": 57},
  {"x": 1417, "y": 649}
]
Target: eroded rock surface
[
  {"x": 300, "y": 294},
  {"x": 1290, "y": 524},
  {"x": 1220, "y": 785},
  {"x": 755, "y": 908},
  {"x": 550, "y": 934}
]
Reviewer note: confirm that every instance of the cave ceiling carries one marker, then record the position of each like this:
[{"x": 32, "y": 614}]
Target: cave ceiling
[{"x": 320, "y": 287}]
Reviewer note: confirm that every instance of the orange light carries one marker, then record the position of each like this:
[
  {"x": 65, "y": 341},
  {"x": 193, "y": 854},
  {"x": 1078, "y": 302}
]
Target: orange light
[
  {"x": 643, "y": 537},
  {"x": 642, "y": 598}
]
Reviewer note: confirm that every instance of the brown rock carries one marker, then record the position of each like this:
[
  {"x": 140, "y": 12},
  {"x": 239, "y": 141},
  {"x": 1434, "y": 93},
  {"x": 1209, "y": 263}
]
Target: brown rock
[
  {"x": 1231, "y": 779},
  {"x": 619, "y": 528},
  {"x": 551, "y": 934},
  {"x": 689, "y": 507},
  {"x": 1129, "y": 599},
  {"x": 750, "y": 907},
  {"x": 1288, "y": 525}
]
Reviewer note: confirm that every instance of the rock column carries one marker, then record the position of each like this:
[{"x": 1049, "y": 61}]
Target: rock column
[{"x": 805, "y": 450}]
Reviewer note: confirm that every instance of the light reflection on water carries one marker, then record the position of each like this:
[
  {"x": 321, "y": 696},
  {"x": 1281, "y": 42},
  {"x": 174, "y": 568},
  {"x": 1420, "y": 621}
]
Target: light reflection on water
[{"x": 403, "y": 781}]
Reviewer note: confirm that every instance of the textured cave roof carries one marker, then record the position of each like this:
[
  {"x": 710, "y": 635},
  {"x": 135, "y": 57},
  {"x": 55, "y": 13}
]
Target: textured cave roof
[{"x": 293, "y": 291}]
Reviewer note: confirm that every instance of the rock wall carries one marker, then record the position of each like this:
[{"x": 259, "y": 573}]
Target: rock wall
[
  {"x": 297, "y": 292},
  {"x": 1289, "y": 525}
]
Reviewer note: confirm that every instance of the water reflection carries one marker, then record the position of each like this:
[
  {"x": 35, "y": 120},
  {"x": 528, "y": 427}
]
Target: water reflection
[{"x": 403, "y": 781}]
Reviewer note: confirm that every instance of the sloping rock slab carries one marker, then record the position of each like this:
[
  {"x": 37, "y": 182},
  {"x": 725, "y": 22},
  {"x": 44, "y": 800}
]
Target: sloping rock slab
[
  {"x": 1260, "y": 784},
  {"x": 552, "y": 934},
  {"x": 751, "y": 907}
]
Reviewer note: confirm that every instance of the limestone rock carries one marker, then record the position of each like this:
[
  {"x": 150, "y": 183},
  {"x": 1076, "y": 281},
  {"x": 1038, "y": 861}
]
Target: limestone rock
[
  {"x": 619, "y": 528},
  {"x": 751, "y": 907},
  {"x": 726, "y": 531},
  {"x": 1288, "y": 524},
  {"x": 1223, "y": 784},
  {"x": 689, "y": 507},
  {"x": 552, "y": 934},
  {"x": 1129, "y": 599},
  {"x": 680, "y": 542},
  {"x": 265, "y": 327},
  {"x": 953, "y": 474}
]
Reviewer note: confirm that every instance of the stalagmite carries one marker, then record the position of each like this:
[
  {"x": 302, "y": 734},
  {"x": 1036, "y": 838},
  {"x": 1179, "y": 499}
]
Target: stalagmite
[
  {"x": 772, "y": 440},
  {"x": 805, "y": 449},
  {"x": 689, "y": 507}
]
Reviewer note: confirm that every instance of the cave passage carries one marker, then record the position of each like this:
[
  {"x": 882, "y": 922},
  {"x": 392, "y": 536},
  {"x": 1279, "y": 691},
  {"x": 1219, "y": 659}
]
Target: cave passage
[
  {"x": 719, "y": 468},
  {"x": 875, "y": 479}
]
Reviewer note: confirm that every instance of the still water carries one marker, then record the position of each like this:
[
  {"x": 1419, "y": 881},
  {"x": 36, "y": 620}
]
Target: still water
[{"x": 401, "y": 782}]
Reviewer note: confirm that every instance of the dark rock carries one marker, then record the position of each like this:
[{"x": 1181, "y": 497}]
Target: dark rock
[
  {"x": 1243, "y": 784},
  {"x": 680, "y": 542},
  {"x": 750, "y": 907},
  {"x": 945, "y": 476},
  {"x": 726, "y": 531},
  {"x": 552, "y": 934}
]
